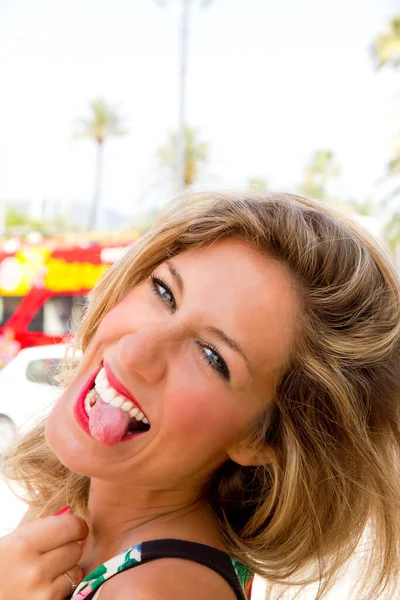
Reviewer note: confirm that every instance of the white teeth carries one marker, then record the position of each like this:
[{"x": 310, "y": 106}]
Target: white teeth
[
  {"x": 101, "y": 375},
  {"x": 99, "y": 387},
  {"x": 138, "y": 415},
  {"x": 110, "y": 396},
  {"x": 90, "y": 401},
  {"x": 88, "y": 408},
  {"x": 117, "y": 401},
  {"x": 127, "y": 406}
]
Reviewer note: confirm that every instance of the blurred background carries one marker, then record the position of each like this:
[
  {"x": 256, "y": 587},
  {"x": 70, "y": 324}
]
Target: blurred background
[
  {"x": 109, "y": 109},
  {"x": 293, "y": 96}
]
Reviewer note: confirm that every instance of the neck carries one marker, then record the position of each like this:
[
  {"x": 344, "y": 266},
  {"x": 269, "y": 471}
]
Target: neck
[
  {"x": 121, "y": 517},
  {"x": 116, "y": 510}
]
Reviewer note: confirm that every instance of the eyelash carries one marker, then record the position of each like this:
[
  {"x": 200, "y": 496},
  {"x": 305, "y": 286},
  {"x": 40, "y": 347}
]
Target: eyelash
[{"x": 223, "y": 371}]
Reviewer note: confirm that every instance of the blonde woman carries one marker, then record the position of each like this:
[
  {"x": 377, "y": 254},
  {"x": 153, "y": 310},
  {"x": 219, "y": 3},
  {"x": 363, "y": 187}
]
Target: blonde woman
[{"x": 236, "y": 411}]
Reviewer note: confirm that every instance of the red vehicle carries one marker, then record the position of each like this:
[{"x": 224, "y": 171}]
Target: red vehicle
[{"x": 43, "y": 289}]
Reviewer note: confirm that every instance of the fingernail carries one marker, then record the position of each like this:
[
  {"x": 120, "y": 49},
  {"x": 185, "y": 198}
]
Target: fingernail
[{"x": 63, "y": 511}]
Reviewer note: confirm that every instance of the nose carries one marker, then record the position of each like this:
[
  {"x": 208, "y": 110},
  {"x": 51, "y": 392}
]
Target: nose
[{"x": 148, "y": 351}]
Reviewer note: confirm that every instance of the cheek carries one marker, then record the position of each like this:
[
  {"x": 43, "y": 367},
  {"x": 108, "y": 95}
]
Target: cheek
[
  {"x": 111, "y": 324},
  {"x": 205, "y": 417},
  {"x": 124, "y": 313},
  {"x": 63, "y": 436}
]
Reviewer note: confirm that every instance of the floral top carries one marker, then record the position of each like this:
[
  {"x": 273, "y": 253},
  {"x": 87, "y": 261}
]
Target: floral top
[{"x": 238, "y": 576}]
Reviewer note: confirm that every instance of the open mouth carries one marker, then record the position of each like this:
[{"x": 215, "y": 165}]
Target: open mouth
[
  {"x": 107, "y": 415},
  {"x": 102, "y": 391}
]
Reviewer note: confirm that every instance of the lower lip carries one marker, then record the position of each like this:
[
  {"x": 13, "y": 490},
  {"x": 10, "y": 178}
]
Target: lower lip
[{"x": 81, "y": 415}]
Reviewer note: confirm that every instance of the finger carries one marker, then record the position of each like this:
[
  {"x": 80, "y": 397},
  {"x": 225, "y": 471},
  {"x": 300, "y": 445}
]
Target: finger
[
  {"x": 62, "y": 585},
  {"x": 61, "y": 559},
  {"x": 49, "y": 533}
]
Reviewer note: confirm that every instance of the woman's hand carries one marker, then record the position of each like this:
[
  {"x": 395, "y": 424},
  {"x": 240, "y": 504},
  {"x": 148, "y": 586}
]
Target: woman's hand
[{"x": 34, "y": 558}]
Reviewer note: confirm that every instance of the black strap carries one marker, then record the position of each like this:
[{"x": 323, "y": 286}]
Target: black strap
[{"x": 208, "y": 556}]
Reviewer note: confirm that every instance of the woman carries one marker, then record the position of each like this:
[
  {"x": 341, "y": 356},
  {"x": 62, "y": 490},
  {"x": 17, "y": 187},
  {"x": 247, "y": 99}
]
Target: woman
[{"x": 236, "y": 410}]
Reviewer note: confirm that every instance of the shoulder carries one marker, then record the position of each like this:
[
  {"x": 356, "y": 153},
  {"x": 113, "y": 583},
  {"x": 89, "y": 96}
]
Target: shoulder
[{"x": 168, "y": 579}]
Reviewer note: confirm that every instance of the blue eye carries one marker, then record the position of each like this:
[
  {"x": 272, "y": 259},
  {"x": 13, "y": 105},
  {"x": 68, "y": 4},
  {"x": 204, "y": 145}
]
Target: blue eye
[
  {"x": 161, "y": 289},
  {"x": 215, "y": 360},
  {"x": 208, "y": 352}
]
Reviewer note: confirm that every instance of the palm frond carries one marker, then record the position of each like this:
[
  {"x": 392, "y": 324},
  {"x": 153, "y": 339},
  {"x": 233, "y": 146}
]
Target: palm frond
[
  {"x": 386, "y": 47},
  {"x": 103, "y": 121},
  {"x": 196, "y": 153}
]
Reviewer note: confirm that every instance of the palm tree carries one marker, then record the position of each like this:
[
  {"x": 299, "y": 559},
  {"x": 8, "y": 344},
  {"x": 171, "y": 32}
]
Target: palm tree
[
  {"x": 195, "y": 154},
  {"x": 318, "y": 173},
  {"x": 257, "y": 184},
  {"x": 390, "y": 206},
  {"x": 180, "y": 137},
  {"x": 386, "y": 52},
  {"x": 386, "y": 47},
  {"x": 102, "y": 123},
  {"x": 392, "y": 232}
]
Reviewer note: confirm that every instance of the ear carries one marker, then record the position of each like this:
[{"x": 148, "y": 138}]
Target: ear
[{"x": 248, "y": 456}]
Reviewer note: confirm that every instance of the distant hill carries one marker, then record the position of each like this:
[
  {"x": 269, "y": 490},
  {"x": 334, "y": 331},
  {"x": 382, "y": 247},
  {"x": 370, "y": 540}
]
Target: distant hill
[{"x": 78, "y": 212}]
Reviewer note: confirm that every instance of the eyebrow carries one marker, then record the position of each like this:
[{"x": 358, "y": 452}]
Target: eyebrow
[
  {"x": 176, "y": 275},
  {"x": 233, "y": 344}
]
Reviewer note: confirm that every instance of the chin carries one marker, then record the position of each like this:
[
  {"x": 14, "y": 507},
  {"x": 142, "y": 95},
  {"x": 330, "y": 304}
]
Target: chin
[
  {"x": 73, "y": 447},
  {"x": 62, "y": 443},
  {"x": 65, "y": 440}
]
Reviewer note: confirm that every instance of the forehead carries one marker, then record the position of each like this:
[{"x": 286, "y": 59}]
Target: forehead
[{"x": 249, "y": 295}]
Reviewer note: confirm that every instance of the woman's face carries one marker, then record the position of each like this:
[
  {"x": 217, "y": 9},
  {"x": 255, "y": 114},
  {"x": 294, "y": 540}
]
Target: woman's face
[{"x": 198, "y": 346}]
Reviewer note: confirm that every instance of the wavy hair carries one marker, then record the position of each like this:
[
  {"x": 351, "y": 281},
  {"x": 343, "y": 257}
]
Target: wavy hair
[{"x": 335, "y": 412}]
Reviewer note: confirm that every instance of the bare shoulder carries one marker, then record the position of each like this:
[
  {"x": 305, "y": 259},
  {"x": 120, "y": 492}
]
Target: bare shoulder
[{"x": 168, "y": 579}]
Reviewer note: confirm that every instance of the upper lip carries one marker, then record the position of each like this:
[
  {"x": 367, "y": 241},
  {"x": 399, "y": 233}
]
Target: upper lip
[{"x": 119, "y": 387}]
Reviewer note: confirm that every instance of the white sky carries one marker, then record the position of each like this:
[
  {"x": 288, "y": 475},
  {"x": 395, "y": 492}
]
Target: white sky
[{"x": 269, "y": 82}]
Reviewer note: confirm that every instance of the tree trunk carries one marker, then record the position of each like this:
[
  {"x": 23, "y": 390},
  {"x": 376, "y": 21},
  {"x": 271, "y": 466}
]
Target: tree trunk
[
  {"x": 98, "y": 175},
  {"x": 190, "y": 173},
  {"x": 183, "y": 50}
]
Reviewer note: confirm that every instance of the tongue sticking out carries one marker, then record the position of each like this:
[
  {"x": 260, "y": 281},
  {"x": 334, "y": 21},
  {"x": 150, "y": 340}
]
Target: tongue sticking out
[{"x": 107, "y": 423}]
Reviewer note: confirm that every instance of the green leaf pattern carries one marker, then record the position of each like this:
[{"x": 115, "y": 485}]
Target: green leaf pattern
[{"x": 132, "y": 557}]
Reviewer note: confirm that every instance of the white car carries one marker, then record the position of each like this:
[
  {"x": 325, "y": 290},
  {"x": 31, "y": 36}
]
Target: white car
[{"x": 28, "y": 388}]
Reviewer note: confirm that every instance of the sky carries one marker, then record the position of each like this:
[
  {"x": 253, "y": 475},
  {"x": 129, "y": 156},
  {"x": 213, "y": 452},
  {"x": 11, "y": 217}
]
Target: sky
[{"x": 269, "y": 82}]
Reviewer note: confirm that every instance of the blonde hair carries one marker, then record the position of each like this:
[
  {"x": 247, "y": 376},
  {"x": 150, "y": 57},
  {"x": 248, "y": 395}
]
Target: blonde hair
[{"x": 335, "y": 415}]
